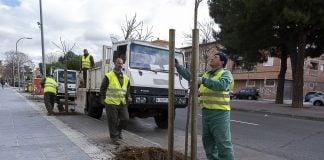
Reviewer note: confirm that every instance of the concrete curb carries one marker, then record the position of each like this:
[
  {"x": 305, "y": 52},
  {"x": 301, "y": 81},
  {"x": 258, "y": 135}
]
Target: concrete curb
[{"x": 280, "y": 114}]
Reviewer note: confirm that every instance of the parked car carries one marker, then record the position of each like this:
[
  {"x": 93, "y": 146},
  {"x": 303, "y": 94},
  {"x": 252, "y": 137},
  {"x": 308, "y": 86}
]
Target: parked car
[
  {"x": 318, "y": 100},
  {"x": 311, "y": 94},
  {"x": 247, "y": 93}
]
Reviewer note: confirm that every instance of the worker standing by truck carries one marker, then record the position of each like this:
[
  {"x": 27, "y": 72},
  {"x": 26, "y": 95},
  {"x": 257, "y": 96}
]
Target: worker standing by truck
[
  {"x": 87, "y": 63},
  {"x": 114, "y": 93},
  {"x": 50, "y": 90}
]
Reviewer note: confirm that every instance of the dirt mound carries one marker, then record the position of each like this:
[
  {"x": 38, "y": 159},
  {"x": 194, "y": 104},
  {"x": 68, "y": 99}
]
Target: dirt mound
[{"x": 145, "y": 153}]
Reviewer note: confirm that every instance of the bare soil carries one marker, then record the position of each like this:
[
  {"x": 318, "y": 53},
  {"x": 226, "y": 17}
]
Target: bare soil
[{"x": 145, "y": 153}]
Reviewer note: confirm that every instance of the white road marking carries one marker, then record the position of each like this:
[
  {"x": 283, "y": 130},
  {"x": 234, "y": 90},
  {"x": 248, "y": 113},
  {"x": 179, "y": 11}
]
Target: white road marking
[{"x": 254, "y": 124}]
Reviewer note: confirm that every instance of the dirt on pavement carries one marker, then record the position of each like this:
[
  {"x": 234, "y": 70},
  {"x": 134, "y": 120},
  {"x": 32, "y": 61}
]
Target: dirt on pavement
[{"x": 145, "y": 153}]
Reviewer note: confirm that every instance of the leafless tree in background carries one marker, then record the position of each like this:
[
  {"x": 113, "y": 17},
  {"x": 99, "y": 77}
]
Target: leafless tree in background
[
  {"x": 51, "y": 57},
  {"x": 136, "y": 30},
  {"x": 206, "y": 30},
  {"x": 11, "y": 59},
  {"x": 64, "y": 47}
]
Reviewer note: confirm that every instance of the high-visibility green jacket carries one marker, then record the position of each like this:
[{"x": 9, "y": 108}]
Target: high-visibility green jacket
[
  {"x": 215, "y": 99},
  {"x": 50, "y": 85},
  {"x": 86, "y": 63},
  {"x": 116, "y": 94}
]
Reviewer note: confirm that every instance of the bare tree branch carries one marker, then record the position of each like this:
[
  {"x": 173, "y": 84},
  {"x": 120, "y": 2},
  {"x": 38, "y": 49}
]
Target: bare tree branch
[
  {"x": 64, "y": 48},
  {"x": 135, "y": 30},
  {"x": 206, "y": 32}
]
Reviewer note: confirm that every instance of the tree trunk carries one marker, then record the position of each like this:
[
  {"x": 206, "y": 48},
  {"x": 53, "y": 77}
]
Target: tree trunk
[
  {"x": 281, "y": 76},
  {"x": 297, "y": 61}
]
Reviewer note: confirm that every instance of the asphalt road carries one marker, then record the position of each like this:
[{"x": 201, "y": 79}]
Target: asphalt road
[
  {"x": 289, "y": 138},
  {"x": 279, "y": 137}
]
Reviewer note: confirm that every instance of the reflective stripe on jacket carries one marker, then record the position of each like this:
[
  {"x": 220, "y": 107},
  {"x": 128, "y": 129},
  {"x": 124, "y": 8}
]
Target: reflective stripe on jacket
[
  {"x": 116, "y": 94},
  {"x": 86, "y": 62},
  {"x": 50, "y": 85},
  {"x": 212, "y": 99}
]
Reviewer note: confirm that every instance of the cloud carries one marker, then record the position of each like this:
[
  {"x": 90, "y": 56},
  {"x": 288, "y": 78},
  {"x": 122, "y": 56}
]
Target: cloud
[{"x": 89, "y": 23}]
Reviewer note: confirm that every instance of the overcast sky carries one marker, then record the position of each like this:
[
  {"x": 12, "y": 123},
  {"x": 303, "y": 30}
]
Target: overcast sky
[{"x": 89, "y": 23}]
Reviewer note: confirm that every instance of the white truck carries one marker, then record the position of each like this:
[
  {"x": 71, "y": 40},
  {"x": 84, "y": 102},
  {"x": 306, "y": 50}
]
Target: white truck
[
  {"x": 58, "y": 75},
  {"x": 147, "y": 67}
]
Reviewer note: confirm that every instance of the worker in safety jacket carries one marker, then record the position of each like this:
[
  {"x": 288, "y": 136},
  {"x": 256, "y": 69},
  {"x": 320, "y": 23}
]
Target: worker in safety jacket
[
  {"x": 114, "y": 93},
  {"x": 50, "y": 90},
  {"x": 215, "y": 103},
  {"x": 87, "y": 63}
]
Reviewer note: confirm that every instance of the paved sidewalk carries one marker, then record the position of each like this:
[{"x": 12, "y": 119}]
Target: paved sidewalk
[
  {"x": 28, "y": 134},
  {"x": 269, "y": 107}
]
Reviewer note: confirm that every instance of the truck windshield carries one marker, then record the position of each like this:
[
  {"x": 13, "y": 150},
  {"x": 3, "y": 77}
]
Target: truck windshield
[
  {"x": 71, "y": 76},
  {"x": 150, "y": 58}
]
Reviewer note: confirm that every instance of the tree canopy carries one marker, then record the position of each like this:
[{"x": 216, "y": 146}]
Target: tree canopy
[
  {"x": 72, "y": 61},
  {"x": 249, "y": 27}
]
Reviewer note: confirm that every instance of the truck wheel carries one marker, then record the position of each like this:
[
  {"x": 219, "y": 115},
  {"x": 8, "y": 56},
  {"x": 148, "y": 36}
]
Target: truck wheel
[
  {"x": 161, "y": 120},
  {"x": 94, "y": 107}
]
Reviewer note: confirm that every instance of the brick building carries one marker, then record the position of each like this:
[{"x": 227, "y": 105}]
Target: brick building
[{"x": 264, "y": 76}]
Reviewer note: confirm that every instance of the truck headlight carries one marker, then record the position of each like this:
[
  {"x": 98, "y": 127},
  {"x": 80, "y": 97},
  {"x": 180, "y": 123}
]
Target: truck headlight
[{"x": 140, "y": 100}]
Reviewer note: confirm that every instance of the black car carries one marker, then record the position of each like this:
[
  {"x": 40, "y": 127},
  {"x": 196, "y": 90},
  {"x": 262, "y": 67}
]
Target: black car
[
  {"x": 311, "y": 94},
  {"x": 247, "y": 93}
]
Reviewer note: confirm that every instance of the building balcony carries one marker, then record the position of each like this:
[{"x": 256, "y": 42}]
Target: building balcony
[
  {"x": 242, "y": 70},
  {"x": 313, "y": 72}
]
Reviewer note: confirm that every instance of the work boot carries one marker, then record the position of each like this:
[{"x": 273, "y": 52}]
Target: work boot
[
  {"x": 115, "y": 142},
  {"x": 50, "y": 113}
]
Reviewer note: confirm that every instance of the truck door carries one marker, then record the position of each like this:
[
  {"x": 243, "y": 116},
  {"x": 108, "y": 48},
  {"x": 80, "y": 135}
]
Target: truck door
[{"x": 107, "y": 60}]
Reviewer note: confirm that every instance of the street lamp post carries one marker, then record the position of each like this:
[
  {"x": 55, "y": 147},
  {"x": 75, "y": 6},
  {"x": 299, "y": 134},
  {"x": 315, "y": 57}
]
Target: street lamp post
[{"x": 18, "y": 66}]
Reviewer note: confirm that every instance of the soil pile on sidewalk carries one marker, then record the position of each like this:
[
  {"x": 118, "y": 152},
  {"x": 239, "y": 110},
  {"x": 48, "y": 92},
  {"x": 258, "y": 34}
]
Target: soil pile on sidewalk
[{"x": 145, "y": 153}]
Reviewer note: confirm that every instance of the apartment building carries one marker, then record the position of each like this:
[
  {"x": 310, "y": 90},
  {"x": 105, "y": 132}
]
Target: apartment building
[{"x": 264, "y": 76}]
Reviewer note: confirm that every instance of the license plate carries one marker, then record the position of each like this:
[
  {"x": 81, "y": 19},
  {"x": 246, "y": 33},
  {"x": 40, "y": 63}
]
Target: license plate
[{"x": 162, "y": 100}]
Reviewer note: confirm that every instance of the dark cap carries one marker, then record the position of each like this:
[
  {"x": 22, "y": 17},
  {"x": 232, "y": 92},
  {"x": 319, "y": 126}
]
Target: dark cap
[{"x": 223, "y": 57}]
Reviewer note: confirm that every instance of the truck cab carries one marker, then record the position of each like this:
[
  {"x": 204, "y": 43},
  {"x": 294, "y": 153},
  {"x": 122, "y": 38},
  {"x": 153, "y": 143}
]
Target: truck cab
[
  {"x": 147, "y": 66},
  {"x": 58, "y": 75}
]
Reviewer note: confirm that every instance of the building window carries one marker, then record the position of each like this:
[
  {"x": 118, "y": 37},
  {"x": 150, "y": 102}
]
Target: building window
[
  {"x": 322, "y": 67},
  {"x": 250, "y": 83},
  {"x": 314, "y": 65},
  {"x": 269, "y": 83},
  {"x": 311, "y": 85},
  {"x": 269, "y": 62}
]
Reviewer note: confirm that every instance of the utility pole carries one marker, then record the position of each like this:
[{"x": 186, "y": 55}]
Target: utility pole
[{"x": 42, "y": 37}]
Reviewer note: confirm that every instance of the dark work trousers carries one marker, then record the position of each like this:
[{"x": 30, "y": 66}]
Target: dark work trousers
[
  {"x": 49, "y": 99},
  {"x": 84, "y": 70},
  {"x": 117, "y": 119}
]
